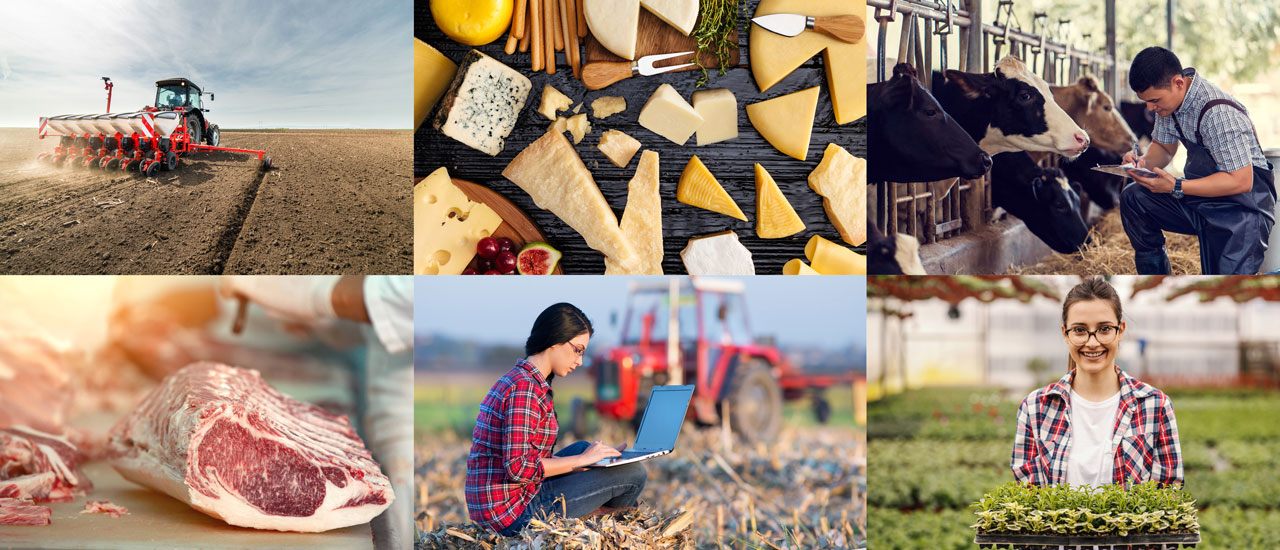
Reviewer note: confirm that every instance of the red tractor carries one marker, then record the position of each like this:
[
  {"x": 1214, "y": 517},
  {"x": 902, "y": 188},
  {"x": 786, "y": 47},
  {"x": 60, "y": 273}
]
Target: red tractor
[
  {"x": 146, "y": 141},
  {"x": 695, "y": 331}
]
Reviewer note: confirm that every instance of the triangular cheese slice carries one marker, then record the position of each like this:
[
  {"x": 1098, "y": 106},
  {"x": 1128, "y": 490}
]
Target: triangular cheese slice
[
  {"x": 699, "y": 188},
  {"x": 681, "y": 14},
  {"x": 446, "y": 226},
  {"x": 841, "y": 179},
  {"x": 642, "y": 220},
  {"x": 775, "y": 218},
  {"x": 774, "y": 56},
  {"x": 787, "y": 121},
  {"x": 552, "y": 173}
]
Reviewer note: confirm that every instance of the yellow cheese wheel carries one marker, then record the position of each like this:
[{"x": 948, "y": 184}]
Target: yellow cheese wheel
[
  {"x": 472, "y": 22},
  {"x": 829, "y": 258}
]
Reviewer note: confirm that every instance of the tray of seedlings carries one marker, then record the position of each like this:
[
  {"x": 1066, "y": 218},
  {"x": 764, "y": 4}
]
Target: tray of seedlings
[{"x": 1139, "y": 516}]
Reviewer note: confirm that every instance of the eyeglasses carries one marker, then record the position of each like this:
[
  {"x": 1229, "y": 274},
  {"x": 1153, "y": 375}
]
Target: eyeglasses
[
  {"x": 576, "y": 349},
  {"x": 1105, "y": 334}
]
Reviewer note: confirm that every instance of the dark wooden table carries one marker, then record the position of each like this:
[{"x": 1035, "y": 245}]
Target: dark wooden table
[{"x": 732, "y": 162}]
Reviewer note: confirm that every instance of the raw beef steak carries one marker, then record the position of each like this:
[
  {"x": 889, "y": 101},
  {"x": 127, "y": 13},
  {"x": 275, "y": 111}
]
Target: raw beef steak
[
  {"x": 39, "y": 466},
  {"x": 17, "y": 511},
  {"x": 224, "y": 441}
]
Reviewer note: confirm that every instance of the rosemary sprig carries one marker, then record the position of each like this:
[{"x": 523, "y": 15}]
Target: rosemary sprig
[{"x": 719, "y": 21}]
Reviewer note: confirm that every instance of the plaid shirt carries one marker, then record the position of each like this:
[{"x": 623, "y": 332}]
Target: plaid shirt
[
  {"x": 1227, "y": 132},
  {"x": 1144, "y": 438},
  {"x": 515, "y": 430}
]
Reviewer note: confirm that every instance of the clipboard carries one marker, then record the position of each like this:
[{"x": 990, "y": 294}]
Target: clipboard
[{"x": 1123, "y": 170}]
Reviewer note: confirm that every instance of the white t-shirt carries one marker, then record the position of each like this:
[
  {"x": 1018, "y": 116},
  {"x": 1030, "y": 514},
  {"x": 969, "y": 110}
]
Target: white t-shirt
[{"x": 1091, "y": 460}]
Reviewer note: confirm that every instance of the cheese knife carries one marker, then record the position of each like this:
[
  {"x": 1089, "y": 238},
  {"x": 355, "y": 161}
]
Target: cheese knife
[{"x": 847, "y": 28}]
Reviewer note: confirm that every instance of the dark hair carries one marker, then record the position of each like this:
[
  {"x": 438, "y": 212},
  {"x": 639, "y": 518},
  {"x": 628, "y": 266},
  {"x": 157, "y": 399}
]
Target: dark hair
[
  {"x": 554, "y": 326},
  {"x": 1092, "y": 288},
  {"x": 1153, "y": 67}
]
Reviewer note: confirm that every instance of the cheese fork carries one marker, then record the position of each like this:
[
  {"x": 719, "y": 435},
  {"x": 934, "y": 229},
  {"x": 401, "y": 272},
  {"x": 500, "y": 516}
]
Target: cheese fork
[{"x": 599, "y": 74}]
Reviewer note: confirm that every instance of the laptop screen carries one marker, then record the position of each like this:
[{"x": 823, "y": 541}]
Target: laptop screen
[{"x": 663, "y": 416}]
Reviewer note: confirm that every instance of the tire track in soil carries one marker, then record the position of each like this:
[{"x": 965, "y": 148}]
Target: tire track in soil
[{"x": 226, "y": 242}]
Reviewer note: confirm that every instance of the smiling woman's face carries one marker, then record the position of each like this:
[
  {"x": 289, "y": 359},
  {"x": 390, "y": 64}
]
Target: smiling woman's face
[
  {"x": 1093, "y": 356},
  {"x": 565, "y": 357}
]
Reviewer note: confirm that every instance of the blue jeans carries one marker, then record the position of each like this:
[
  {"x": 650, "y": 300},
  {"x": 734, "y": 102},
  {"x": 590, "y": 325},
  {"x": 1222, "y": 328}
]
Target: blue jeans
[{"x": 578, "y": 494}]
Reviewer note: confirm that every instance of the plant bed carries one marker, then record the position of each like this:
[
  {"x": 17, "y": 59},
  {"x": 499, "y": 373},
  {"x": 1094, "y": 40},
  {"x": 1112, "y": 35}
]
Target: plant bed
[{"x": 1144, "y": 515}]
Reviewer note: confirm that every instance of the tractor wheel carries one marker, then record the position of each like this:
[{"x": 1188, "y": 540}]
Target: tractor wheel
[
  {"x": 152, "y": 169},
  {"x": 821, "y": 407},
  {"x": 170, "y": 161},
  {"x": 578, "y": 421},
  {"x": 266, "y": 164},
  {"x": 194, "y": 130},
  {"x": 131, "y": 165},
  {"x": 214, "y": 136},
  {"x": 113, "y": 164},
  {"x": 755, "y": 402}
]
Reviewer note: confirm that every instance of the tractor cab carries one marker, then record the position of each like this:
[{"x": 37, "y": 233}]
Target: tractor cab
[{"x": 176, "y": 94}]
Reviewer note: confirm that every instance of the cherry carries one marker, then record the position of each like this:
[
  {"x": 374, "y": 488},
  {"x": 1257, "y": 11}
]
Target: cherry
[
  {"x": 505, "y": 262},
  {"x": 505, "y": 244},
  {"x": 487, "y": 248},
  {"x": 470, "y": 271},
  {"x": 492, "y": 272},
  {"x": 483, "y": 265}
]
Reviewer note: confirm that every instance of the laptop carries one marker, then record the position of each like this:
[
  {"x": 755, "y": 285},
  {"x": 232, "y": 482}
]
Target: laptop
[{"x": 663, "y": 416}]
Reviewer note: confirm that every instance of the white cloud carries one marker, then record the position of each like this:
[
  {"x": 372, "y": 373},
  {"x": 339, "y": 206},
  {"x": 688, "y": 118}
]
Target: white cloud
[{"x": 271, "y": 63}]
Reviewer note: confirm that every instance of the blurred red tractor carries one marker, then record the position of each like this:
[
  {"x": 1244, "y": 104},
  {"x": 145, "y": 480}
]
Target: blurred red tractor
[{"x": 695, "y": 331}]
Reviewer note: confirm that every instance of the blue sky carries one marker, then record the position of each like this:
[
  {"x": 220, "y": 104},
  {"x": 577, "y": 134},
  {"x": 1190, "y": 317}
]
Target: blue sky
[
  {"x": 822, "y": 311},
  {"x": 286, "y": 64}
]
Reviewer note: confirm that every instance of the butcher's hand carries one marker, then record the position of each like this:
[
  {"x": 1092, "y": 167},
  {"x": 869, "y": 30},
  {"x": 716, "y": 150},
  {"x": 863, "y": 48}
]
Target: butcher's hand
[{"x": 290, "y": 299}]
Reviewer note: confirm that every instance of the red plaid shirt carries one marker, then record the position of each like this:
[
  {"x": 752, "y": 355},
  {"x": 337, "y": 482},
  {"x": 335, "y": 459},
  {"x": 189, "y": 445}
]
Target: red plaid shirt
[
  {"x": 1144, "y": 438},
  {"x": 515, "y": 430}
]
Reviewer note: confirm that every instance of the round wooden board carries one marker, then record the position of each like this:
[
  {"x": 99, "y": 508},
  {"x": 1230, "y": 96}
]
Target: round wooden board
[{"x": 516, "y": 225}]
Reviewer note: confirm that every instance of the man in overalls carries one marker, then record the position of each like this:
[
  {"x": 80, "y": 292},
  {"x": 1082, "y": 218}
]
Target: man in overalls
[{"x": 1227, "y": 199}]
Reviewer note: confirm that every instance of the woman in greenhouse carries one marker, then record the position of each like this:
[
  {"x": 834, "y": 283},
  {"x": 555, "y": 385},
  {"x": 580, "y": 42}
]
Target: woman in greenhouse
[{"x": 1096, "y": 425}]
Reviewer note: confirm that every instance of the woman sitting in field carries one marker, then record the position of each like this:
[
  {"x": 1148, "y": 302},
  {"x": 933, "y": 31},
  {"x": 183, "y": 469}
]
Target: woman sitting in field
[
  {"x": 511, "y": 473},
  {"x": 1096, "y": 425}
]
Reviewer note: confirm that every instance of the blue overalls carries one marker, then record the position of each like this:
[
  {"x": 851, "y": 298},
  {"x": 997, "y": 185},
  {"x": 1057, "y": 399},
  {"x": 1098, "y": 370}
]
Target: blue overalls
[{"x": 1233, "y": 230}]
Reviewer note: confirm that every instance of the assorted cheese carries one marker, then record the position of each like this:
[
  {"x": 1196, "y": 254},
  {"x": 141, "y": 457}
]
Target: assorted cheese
[
  {"x": 786, "y": 121},
  {"x": 642, "y": 220},
  {"x": 719, "y": 111},
  {"x": 774, "y": 56},
  {"x": 669, "y": 115},
  {"x": 472, "y": 22},
  {"x": 446, "y": 226},
  {"x": 829, "y": 258},
  {"x": 614, "y": 23},
  {"x": 553, "y": 102},
  {"x": 841, "y": 179},
  {"x": 432, "y": 73},
  {"x": 618, "y": 147},
  {"x": 579, "y": 127},
  {"x": 699, "y": 188},
  {"x": 775, "y": 218},
  {"x": 482, "y": 103},
  {"x": 606, "y": 106},
  {"x": 551, "y": 172},
  {"x": 717, "y": 254}
]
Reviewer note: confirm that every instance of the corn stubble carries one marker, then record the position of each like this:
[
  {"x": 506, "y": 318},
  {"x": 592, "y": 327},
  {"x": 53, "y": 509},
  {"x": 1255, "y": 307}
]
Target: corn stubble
[{"x": 806, "y": 490}]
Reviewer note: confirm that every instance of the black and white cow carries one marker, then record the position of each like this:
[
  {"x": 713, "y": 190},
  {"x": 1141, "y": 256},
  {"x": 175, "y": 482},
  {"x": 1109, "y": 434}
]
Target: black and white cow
[
  {"x": 899, "y": 255},
  {"x": 1041, "y": 198},
  {"x": 1010, "y": 109},
  {"x": 1102, "y": 189},
  {"x": 911, "y": 138}
]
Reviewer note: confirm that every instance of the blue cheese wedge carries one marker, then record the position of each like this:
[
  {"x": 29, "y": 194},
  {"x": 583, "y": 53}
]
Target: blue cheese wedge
[
  {"x": 482, "y": 103},
  {"x": 717, "y": 254}
]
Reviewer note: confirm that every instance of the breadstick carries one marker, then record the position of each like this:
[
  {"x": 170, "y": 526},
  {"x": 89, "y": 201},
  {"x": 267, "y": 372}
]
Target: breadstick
[
  {"x": 518, "y": 25},
  {"x": 557, "y": 25},
  {"x": 535, "y": 16},
  {"x": 548, "y": 35},
  {"x": 582, "y": 21},
  {"x": 524, "y": 40}
]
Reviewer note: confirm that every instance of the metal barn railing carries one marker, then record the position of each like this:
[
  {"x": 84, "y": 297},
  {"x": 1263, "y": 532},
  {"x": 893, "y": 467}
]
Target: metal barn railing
[{"x": 935, "y": 211}]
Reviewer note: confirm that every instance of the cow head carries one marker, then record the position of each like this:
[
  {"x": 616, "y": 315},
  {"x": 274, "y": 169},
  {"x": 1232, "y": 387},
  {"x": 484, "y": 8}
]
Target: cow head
[
  {"x": 1093, "y": 110},
  {"x": 1101, "y": 188},
  {"x": 899, "y": 255},
  {"x": 911, "y": 138},
  {"x": 1058, "y": 223},
  {"x": 1019, "y": 115}
]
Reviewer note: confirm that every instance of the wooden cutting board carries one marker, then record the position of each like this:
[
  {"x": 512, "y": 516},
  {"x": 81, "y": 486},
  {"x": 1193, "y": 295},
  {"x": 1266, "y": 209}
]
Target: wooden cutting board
[
  {"x": 516, "y": 225},
  {"x": 653, "y": 36}
]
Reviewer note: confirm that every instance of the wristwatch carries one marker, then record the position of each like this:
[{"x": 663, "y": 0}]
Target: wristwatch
[{"x": 1177, "y": 187}]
